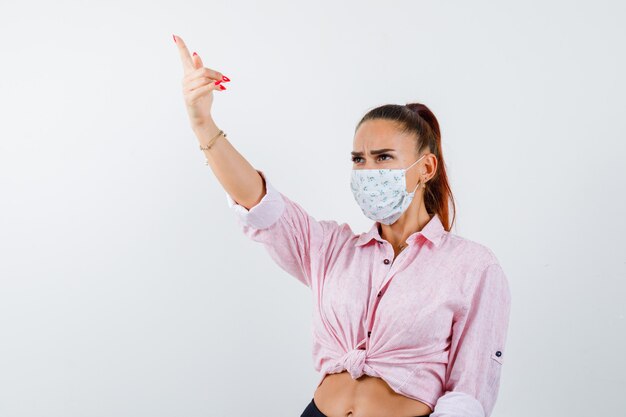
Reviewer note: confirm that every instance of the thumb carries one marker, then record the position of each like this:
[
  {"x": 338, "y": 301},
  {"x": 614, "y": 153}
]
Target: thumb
[{"x": 197, "y": 62}]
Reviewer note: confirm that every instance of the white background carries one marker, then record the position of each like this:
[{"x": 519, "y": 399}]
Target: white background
[{"x": 126, "y": 286}]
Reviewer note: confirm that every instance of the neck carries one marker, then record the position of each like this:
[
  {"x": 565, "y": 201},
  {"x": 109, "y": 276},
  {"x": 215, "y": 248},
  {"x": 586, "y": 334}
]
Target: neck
[{"x": 411, "y": 221}]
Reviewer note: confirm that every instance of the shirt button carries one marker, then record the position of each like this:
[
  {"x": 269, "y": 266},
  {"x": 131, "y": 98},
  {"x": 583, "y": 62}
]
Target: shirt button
[
  {"x": 498, "y": 353},
  {"x": 379, "y": 293},
  {"x": 368, "y": 333},
  {"x": 386, "y": 261}
]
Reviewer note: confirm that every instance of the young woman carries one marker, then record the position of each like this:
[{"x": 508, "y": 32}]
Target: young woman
[{"x": 409, "y": 318}]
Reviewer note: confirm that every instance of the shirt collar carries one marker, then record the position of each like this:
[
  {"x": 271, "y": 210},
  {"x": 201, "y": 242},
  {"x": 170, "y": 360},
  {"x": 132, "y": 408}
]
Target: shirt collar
[{"x": 433, "y": 231}]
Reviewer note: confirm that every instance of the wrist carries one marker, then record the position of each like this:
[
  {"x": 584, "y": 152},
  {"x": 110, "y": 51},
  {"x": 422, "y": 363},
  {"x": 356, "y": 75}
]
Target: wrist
[{"x": 205, "y": 131}]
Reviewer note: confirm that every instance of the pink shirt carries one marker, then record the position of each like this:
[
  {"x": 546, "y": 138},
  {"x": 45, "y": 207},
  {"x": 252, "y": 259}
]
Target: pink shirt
[{"x": 432, "y": 323}]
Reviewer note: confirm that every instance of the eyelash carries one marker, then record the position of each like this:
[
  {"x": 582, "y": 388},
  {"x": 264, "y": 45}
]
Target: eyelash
[{"x": 354, "y": 158}]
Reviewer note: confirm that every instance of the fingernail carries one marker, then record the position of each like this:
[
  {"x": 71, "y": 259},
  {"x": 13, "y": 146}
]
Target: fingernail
[
  {"x": 225, "y": 78},
  {"x": 194, "y": 54},
  {"x": 174, "y": 36},
  {"x": 217, "y": 82},
  {"x": 222, "y": 87}
]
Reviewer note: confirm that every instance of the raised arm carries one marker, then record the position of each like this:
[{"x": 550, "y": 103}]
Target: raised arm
[
  {"x": 232, "y": 170},
  {"x": 293, "y": 238},
  {"x": 238, "y": 178}
]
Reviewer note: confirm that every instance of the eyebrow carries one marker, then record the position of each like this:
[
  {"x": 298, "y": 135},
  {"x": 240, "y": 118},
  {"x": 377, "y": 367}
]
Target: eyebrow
[{"x": 374, "y": 152}]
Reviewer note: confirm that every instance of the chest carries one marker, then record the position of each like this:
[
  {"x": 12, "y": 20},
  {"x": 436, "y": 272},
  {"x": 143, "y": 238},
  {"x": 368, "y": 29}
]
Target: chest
[{"x": 372, "y": 294}]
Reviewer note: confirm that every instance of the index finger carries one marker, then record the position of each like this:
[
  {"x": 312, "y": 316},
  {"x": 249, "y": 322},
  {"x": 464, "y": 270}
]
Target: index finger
[{"x": 184, "y": 54}]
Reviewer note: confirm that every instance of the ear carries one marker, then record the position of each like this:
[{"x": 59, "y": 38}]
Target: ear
[{"x": 430, "y": 167}]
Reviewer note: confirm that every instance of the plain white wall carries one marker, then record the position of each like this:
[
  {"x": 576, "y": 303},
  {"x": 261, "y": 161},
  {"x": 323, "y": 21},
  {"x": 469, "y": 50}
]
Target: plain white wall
[{"x": 126, "y": 286}]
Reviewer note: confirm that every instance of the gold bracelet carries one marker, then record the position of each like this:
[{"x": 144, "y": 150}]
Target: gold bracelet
[
  {"x": 211, "y": 142},
  {"x": 213, "y": 139}
]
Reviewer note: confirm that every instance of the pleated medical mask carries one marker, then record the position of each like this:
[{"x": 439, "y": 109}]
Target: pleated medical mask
[{"x": 381, "y": 193}]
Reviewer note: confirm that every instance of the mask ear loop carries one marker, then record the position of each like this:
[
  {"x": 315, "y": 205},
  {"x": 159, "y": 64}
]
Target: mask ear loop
[
  {"x": 418, "y": 184},
  {"x": 406, "y": 169},
  {"x": 409, "y": 167}
]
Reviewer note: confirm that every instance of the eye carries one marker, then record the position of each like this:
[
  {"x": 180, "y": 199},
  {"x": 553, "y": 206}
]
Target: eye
[{"x": 356, "y": 159}]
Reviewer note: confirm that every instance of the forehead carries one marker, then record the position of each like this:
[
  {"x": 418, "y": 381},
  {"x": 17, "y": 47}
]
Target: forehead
[{"x": 378, "y": 134}]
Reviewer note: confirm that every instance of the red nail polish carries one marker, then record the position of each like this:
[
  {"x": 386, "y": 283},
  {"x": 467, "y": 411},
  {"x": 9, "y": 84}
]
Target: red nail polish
[
  {"x": 225, "y": 78},
  {"x": 194, "y": 54},
  {"x": 218, "y": 82},
  {"x": 173, "y": 36},
  {"x": 222, "y": 87}
]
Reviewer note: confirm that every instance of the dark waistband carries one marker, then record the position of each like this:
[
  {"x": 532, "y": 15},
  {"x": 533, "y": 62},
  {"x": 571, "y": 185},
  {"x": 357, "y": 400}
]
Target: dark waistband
[{"x": 311, "y": 410}]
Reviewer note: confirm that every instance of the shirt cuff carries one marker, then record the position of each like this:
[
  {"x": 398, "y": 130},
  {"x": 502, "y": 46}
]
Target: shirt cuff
[
  {"x": 265, "y": 213},
  {"x": 457, "y": 404}
]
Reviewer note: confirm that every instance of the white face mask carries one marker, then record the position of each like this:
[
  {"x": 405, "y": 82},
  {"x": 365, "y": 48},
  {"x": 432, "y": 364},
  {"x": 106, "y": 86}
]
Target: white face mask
[{"x": 381, "y": 193}]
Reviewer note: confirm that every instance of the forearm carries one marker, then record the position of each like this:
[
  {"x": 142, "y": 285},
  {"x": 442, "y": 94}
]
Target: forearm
[{"x": 236, "y": 175}]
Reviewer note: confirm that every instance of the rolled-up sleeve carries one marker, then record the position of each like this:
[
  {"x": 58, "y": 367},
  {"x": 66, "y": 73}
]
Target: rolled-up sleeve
[
  {"x": 477, "y": 349},
  {"x": 293, "y": 238}
]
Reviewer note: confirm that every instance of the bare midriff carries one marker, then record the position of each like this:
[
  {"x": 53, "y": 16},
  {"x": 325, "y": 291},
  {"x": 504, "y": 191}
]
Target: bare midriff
[{"x": 341, "y": 396}]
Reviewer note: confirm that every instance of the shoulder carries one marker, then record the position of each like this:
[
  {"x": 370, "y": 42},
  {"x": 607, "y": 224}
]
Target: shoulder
[
  {"x": 336, "y": 231},
  {"x": 467, "y": 253},
  {"x": 477, "y": 265}
]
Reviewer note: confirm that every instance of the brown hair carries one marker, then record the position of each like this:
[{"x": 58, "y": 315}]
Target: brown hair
[{"x": 418, "y": 119}]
